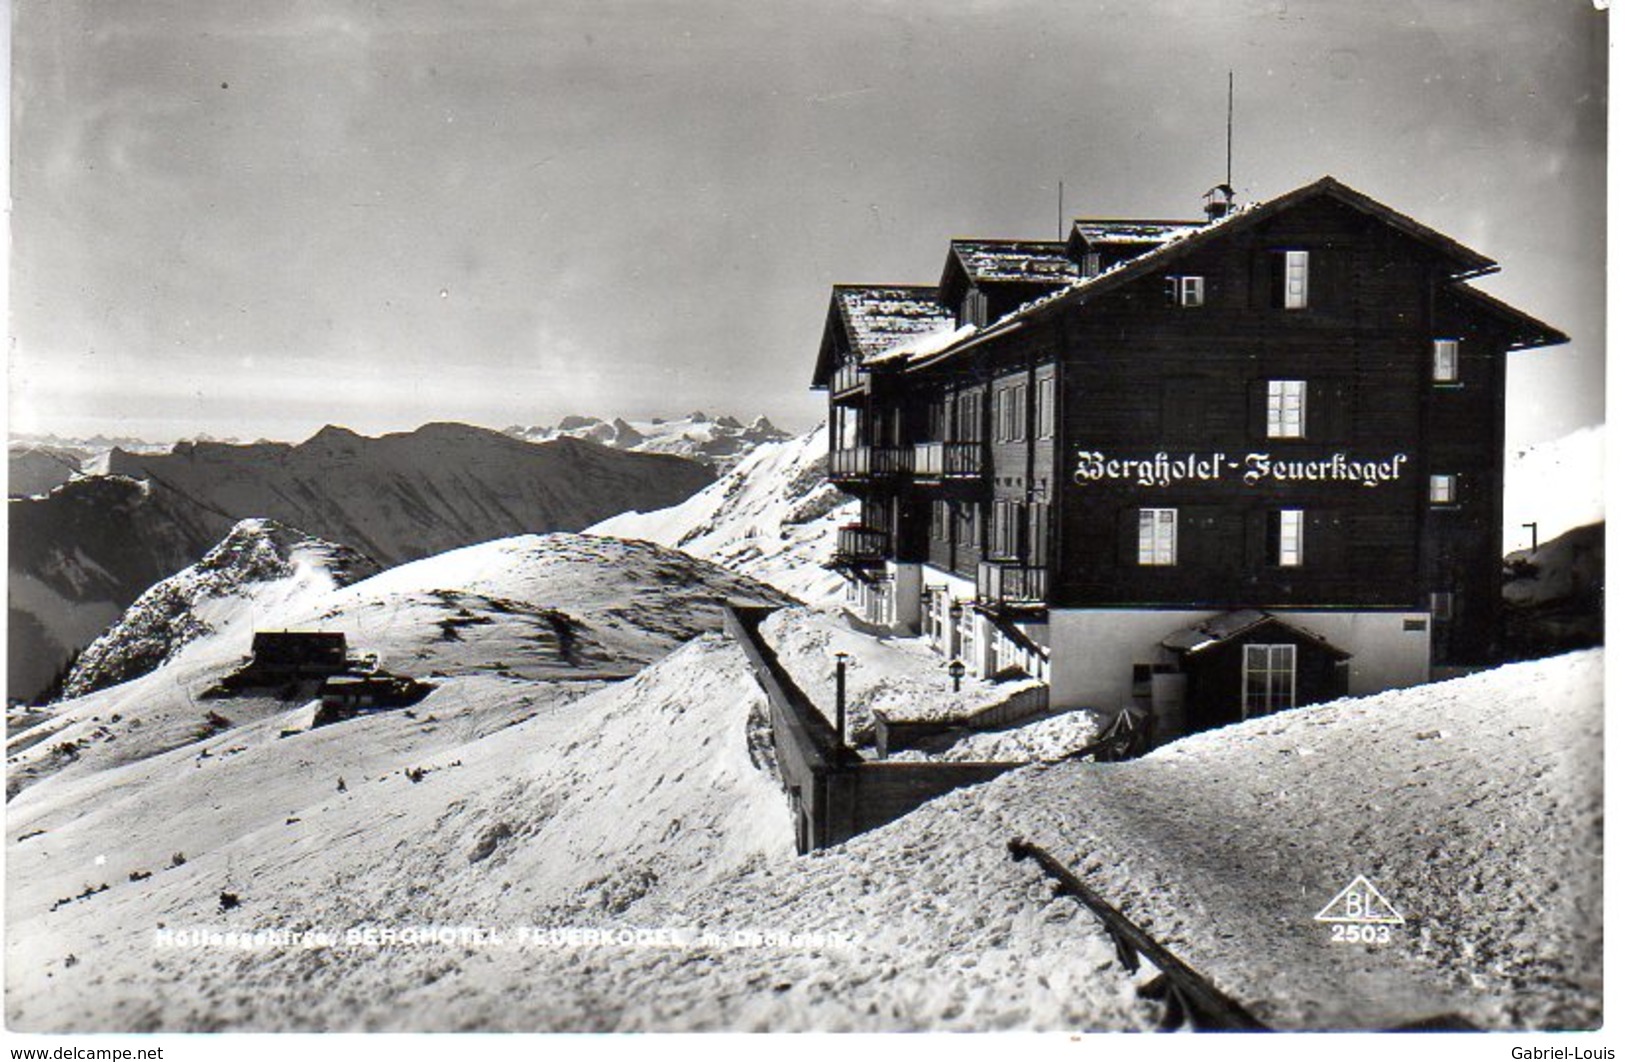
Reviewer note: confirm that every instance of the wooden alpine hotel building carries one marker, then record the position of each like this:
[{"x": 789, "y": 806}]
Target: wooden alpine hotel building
[{"x": 1217, "y": 468}]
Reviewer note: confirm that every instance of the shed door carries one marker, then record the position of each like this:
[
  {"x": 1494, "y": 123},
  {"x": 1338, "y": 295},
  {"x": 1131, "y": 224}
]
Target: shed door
[{"x": 1269, "y": 679}]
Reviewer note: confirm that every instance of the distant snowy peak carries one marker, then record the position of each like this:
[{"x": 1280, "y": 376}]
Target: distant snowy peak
[
  {"x": 719, "y": 441},
  {"x": 261, "y": 563}
]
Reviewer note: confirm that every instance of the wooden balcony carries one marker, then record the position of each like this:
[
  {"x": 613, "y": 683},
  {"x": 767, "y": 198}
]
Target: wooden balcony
[
  {"x": 1011, "y": 586},
  {"x": 861, "y": 464},
  {"x": 849, "y": 379},
  {"x": 942, "y": 461},
  {"x": 859, "y": 546}
]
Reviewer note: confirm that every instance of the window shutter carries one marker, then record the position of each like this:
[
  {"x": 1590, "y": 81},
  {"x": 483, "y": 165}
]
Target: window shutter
[
  {"x": 1258, "y": 542},
  {"x": 1038, "y": 533},
  {"x": 1322, "y": 281},
  {"x": 1329, "y": 413},
  {"x": 1258, "y": 396},
  {"x": 1325, "y": 539},
  {"x": 1277, "y": 280},
  {"x": 1128, "y": 537},
  {"x": 1258, "y": 280}
]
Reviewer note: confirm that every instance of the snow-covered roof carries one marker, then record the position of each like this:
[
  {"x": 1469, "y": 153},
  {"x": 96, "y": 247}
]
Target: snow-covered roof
[
  {"x": 1147, "y": 233},
  {"x": 1183, "y": 236},
  {"x": 878, "y": 318},
  {"x": 1033, "y": 261},
  {"x": 923, "y": 346},
  {"x": 1219, "y": 629}
]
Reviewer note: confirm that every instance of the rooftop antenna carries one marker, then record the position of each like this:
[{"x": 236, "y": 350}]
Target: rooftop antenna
[
  {"x": 1229, "y": 127},
  {"x": 1060, "y": 195},
  {"x": 1222, "y": 197}
]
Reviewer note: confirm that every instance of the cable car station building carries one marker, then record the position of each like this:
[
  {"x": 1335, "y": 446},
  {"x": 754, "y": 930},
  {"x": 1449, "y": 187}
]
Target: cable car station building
[{"x": 1217, "y": 468}]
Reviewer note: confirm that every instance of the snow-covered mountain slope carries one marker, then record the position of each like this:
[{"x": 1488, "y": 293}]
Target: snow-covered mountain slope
[
  {"x": 1557, "y": 485},
  {"x": 523, "y": 613},
  {"x": 259, "y": 569},
  {"x": 81, "y": 555},
  {"x": 1474, "y": 805},
  {"x": 587, "y": 811},
  {"x": 718, "y": 441},
  {"x": 36, "y": 469},
  {"x": 772, "y": 517},
  {"x": 413, "y": 494}
]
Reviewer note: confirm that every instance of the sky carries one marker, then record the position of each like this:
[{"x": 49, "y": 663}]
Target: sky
[{"x": 250, "y": 220}]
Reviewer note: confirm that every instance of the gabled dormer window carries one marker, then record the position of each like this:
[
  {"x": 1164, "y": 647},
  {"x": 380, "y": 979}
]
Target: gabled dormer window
[
  {"x": 973, "y": 309},
  {"x": 1186, "y": 290}
]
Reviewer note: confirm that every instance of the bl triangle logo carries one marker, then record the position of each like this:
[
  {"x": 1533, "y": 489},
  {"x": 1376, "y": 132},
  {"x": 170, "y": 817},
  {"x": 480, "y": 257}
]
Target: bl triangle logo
[{"x": 1361, "y": 904}]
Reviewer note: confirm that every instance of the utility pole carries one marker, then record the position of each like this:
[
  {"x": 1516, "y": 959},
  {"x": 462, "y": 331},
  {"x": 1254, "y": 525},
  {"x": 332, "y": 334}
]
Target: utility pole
[{"x": 840, "y": 700}]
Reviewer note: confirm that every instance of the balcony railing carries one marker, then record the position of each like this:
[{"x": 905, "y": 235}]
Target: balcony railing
[
  {"x": 865, "y": 462},
  {"x": 847, "y": 379},
  {"x": 948, "y": 460},
  {"x": 855, "y": 544},
  {"x": 1011, "y": 585}
]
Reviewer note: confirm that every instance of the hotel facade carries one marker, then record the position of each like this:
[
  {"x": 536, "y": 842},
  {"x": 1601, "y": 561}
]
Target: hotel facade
[{"x": 1215, "y": 468}]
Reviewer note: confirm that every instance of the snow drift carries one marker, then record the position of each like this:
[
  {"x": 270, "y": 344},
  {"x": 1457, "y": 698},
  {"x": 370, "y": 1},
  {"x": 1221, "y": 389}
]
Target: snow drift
[{"x": 773, "y": 517}]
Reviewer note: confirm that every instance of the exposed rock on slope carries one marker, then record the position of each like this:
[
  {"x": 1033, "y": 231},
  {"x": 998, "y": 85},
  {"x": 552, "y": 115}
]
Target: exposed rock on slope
[{"x": 258, "y": 566}]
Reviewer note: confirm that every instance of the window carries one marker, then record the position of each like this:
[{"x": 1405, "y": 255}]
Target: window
[
  {"x": 1089, "y": 264},
  {"x": 1442, "y": 603},
  {"x": 1159, "y": 536},
  {"x": 939, "y": 520},
  {"x": 1290, "y": 554},
  {"x": 1446, "y": 361},
  {"x": 1186, "y": 291},
  {"x": 1269, "y": 679},
  {"x": 1285, "y": 412},
  {"x": 1046, "y": 407},
  {"x": 1295, "y": 294},
  {"x": 1442, "y": 489}
]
